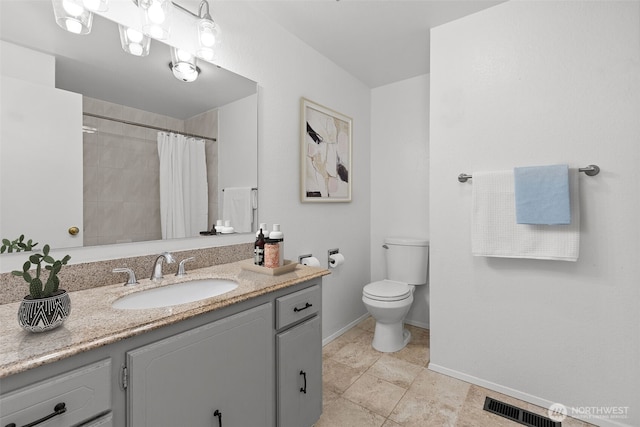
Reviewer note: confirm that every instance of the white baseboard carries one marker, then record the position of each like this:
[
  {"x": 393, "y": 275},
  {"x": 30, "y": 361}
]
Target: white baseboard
[
  {"x": 341, "y": 331},
  {"x": 544, "y": 403},
  {"x": 423, "y": 325}
]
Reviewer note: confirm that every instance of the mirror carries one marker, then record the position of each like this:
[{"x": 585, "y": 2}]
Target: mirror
[{"x": 219, "y": 105}]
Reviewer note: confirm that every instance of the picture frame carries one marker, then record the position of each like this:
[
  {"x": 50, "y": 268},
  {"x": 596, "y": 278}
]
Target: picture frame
[{"x": 326, "y": 154}]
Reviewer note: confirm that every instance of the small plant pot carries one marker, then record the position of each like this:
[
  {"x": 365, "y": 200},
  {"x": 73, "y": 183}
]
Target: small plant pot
[{"x": 43, "y": 314}]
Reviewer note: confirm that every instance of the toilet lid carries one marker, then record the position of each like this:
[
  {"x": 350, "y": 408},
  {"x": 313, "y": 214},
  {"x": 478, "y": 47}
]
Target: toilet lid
[{"x": 387, "y": 290}]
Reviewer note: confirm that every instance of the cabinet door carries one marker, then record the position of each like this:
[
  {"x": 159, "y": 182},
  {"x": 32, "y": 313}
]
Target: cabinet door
[
  {"x": 225, "y": 367},
  {"x": 300, "y": 375}
]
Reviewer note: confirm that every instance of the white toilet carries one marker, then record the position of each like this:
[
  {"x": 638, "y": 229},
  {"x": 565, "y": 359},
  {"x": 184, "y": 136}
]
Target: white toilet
[{"x": 389, "y": 300}]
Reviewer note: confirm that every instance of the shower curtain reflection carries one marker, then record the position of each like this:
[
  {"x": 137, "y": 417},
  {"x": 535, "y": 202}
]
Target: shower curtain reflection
[{"x": 183, "y": 185}]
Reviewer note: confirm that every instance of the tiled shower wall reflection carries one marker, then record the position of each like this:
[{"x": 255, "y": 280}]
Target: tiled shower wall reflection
[{"x": 121, "y": 171}]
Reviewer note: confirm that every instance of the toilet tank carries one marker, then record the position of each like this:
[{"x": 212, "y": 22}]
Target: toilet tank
[{"x": 407, "y": 259}]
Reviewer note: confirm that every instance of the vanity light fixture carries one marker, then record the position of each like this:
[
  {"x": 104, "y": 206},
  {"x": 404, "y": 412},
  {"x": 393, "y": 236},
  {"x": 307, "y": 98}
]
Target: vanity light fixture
[
  {"x": 207, "y": 32},
  {"x": 134, "y": 42},
  {"x": 156, "y": 18},
  {"x": 183, "y": 65},
  {"x": 72, "y": 16}
]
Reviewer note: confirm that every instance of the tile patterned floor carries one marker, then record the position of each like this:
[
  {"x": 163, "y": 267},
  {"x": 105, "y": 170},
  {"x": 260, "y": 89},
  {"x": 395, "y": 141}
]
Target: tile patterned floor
[{"x": 366, "y": 388}]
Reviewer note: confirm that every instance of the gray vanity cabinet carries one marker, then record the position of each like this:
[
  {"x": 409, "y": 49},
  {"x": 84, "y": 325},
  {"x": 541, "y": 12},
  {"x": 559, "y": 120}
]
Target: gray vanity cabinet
[
  {"x": 299, "y": 366},
  {"x": 75, "y": 398},
  {"x": 219, "y": 374}
]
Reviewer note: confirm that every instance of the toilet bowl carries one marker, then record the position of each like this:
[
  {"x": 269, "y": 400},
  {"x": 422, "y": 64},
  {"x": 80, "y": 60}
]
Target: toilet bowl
[{"x": 388, "y": 301}]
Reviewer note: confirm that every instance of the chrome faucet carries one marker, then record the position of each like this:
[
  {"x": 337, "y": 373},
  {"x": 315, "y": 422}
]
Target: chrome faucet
[
  {"x": 157, "y": 266},
  {"x": 131, "y": 280},
  {"x": 181, "y": 270}
]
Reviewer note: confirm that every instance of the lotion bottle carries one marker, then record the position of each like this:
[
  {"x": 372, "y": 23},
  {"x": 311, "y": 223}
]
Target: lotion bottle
[{"x": 278, "y": 236}]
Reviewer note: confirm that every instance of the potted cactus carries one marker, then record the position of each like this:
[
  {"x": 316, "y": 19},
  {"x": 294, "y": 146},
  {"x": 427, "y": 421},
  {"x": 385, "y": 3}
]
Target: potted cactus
[{"x": 46, "y": 307}]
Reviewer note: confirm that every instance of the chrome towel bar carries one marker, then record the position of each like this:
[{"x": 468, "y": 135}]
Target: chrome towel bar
[{"x": 590, "y": 170}]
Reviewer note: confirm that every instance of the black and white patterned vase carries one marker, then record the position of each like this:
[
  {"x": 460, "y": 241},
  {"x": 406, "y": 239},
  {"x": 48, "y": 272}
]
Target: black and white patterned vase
[{"x": 43, "y": 314}]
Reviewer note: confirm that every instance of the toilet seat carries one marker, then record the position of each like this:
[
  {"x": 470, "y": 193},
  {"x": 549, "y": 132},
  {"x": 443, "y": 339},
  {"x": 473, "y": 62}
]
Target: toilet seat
[{"x": 387, "y": 290}]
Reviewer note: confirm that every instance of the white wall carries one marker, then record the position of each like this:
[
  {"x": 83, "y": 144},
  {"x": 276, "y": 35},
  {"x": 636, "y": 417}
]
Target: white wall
[
  {"x": 286, "y": 70},
  {"x": 400, "y": 174},
  {"x": 529, "y": 83}
]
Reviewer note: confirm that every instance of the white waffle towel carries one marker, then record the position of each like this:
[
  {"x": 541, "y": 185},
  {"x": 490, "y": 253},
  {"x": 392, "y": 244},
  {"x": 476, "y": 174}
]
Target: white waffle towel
[{"x": 495, "y": 233}]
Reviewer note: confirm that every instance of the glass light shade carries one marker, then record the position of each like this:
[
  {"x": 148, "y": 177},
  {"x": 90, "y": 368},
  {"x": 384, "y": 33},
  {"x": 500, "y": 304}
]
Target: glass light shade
[
  {"x": 183, "y": 65},
  {"x": 156, "y": 18},
  {"x": 96, "y": 5},
  {"x": 134, "y": 42},
  {"x": 72, "y": 16},
  {"x": 207, "y": 38}
]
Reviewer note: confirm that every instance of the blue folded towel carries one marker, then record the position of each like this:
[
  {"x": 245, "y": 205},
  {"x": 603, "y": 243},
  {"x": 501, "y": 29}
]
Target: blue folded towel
[{"x": 542, "y": 195}]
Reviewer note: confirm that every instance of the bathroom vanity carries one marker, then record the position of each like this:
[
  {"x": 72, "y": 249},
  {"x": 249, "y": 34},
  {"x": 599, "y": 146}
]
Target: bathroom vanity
[{"x": 250, "y": 357}]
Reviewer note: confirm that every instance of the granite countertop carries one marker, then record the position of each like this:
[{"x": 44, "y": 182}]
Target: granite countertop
[{"x": 94, "y": 323}]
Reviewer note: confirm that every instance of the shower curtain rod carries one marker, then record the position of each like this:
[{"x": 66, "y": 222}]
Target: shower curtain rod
[
  {"x": 126, "y": 122},
  {"x": 590, "y": 170}
]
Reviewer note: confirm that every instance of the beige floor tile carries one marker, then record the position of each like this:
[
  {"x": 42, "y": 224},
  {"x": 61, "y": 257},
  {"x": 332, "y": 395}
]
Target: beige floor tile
[
  {"x": 375, "y": 394},
  {"x": 328, "y": 396},
  {"x": 416, "y": 410},
  {"x": 357, "y": 355},
  {"x": 338, "y": 377},
  {"x": 348, "y": 337},
  {"x": 390, "y": 423},
  {"x": 368, "y": 324},
  {"x": 395, "y": 371},
  {"x": 432, "y": 400},
  {"x": 344, "y": 413},
  {"x": 434, "y": 385},
  {"x": 412, "y": 353}
]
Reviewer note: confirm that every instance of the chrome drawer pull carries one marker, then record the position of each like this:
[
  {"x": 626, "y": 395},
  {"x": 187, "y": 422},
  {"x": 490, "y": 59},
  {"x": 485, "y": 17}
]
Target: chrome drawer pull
[
  {"x": 60, "y": 408},
  {"x": 307, "y": 305}
]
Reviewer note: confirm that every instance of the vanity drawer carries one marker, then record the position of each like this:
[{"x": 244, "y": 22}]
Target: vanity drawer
[
  {"x": 297, "y": 306},
  {"x": 85, "y": 393}
]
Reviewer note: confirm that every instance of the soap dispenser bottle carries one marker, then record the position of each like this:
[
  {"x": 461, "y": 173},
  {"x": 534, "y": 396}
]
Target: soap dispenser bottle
[
  {"x": 258, "y": 250},
  {"x": 277, "y": 236}
]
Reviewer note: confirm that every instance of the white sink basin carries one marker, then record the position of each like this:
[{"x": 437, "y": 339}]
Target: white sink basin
[{"x": 179, "y": 293}]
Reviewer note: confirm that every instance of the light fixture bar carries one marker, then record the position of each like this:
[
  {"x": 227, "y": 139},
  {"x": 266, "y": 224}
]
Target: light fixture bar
[{"x": 137, "y": 3}]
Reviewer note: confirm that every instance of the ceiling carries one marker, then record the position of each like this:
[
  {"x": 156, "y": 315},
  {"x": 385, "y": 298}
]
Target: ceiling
[{"x": 377, "y": 41}]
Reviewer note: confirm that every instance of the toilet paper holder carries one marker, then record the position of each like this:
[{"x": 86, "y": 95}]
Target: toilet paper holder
[
  {"x": 329, "y": 253},
  {"x": 301, "y": 257}
]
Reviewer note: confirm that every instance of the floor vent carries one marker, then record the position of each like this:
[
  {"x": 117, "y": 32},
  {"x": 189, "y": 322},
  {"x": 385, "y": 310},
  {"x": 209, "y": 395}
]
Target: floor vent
[{"x": 518, "y": 415}]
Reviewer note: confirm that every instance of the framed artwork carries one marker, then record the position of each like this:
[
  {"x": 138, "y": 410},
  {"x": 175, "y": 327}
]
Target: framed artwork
[{"x": 326, "y": 154}]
